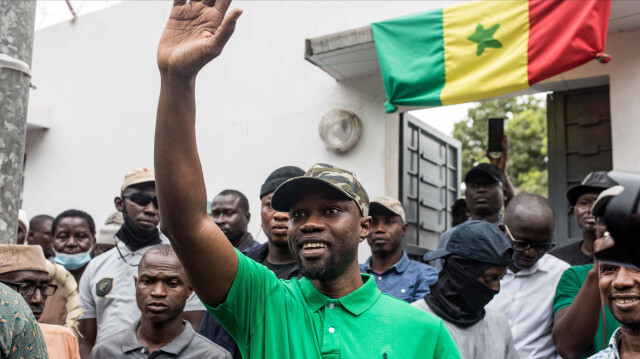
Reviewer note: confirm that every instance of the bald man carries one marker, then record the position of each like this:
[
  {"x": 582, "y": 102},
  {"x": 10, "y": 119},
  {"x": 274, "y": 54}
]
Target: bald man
[{"x": 527, "y": 290}]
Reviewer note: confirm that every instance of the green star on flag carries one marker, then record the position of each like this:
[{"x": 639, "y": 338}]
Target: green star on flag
[{"x": 484, "y": 38}]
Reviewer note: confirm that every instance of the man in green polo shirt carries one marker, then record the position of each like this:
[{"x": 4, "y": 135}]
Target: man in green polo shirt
[{"x": 335, "y": 312}]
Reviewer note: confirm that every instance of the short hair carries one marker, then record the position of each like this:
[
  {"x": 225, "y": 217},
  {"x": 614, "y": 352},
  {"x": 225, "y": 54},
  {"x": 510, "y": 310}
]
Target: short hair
[
  {"x": 74, "y": 213},
  {"x": 39, "y": 220},
  {"x": 243, "y": 202},
  {"x": 162, "y": 249}
]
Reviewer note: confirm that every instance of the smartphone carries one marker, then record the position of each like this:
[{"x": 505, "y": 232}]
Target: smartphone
[{"x": 495, "y": 134}]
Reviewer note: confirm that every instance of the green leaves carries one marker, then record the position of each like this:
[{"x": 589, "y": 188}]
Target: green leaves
[{"x": 526, "y": 127}]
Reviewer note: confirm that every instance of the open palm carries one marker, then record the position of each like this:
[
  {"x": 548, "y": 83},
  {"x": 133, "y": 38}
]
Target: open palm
[{"x": 194, "y": 35}]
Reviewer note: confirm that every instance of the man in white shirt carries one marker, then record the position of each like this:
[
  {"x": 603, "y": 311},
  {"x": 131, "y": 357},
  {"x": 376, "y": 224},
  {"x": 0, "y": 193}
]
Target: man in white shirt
[
  {"x": 107, "y": 289},
  {"x": 527, "y": 290}
]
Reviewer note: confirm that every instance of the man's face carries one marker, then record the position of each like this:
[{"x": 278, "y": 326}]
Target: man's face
[
  {"x": 491, "y": 277},
  {"x": 72, "y": 235},
  {"x": 620, "y": 288},
  {"x": 529, "y": 231},
  {"x": 387, "y": 231},
  {"x": 22, "y": 233},
  {"x": 35, "y": 301},
  {"x": 274, "y": 224},
  {"x": 582, "y": 211},
  {"x": 40, "y": 234},
  {"x": 146, "y": 216},
  {"x": 162, "y": 288},
  {"x": 230, "y": 217},
  {"x": 484, "y": 196},
  {"x": 325, "y": 231}
]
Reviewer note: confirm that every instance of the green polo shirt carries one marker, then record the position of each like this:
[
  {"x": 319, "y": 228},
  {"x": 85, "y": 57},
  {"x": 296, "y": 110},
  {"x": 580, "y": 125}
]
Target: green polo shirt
[
  {"x": 272, "y": 318},
  {"x": 568, "y": 287}
]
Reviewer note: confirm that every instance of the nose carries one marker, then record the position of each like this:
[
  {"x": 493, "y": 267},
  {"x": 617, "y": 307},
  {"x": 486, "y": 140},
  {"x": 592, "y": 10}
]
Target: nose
[
  {"x": 623, "y": 278},
  {"x": 312, "y": 224},
  {"x": 37, "y": 298},
  {"x": 150, "y": 209},
  {"x": 379, "y": 227},
  {"x": 158, "y": 290},
  {"x": 531, "y": 252},
  {"x": 281, "y": 216}
]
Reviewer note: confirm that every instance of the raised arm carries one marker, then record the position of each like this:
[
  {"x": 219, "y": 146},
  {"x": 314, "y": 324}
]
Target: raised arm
[
  {"x": 501, "y": 162},
  {"x": 194, "y": 35}
]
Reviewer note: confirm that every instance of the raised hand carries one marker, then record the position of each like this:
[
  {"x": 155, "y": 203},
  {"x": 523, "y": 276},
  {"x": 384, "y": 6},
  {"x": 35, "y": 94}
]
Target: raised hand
[
  {"x": 500, "y": 161},
  {"x": 194, "y": 35}
]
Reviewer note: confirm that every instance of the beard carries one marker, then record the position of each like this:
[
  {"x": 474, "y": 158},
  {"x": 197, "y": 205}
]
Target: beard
[{"x": 331, "y": 268}]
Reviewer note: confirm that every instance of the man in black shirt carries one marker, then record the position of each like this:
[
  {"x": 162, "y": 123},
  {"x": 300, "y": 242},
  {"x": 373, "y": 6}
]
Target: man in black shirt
[{"x": 581, "y": 199}]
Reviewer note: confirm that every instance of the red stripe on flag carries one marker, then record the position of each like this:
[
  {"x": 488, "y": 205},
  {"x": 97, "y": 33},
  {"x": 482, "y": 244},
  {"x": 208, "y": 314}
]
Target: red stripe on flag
[{"x": 564, "y": 35}]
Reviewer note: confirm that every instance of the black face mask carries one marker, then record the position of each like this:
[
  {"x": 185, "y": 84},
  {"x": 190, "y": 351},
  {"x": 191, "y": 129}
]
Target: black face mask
[
  {"x": 135, "y": 237},
  {"x": 457, "y": 296}
]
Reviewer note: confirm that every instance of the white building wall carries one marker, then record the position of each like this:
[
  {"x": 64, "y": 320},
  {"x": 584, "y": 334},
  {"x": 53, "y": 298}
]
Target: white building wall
[{"x": 259, "y": 104}]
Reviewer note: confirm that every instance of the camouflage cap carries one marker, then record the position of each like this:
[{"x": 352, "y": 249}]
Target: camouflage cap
[
  {"x": 343, "y": 181},
  {"x": 390, "y": 204}
]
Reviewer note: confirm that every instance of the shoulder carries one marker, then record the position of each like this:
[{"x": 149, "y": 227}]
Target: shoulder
[
  {"x": 497, "y": 320},
  {"x": 58, "y": 330},
  {"x": 405, "y": 312},
  {"x": 422, "y": 267},
  {"x": 553, "y": 264},
  {"x": 200, "y": 344},
  {"x": 105, "y": 260}
]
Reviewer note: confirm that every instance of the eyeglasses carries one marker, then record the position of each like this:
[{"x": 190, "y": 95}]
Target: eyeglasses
[
  {"x": 521, "y": 246},
  {"x": 29, "y": 289},
  {"x": 142, "y": 199}
]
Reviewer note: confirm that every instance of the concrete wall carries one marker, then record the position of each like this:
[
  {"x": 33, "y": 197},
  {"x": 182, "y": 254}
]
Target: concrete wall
[{"x": 259, "y": 104}]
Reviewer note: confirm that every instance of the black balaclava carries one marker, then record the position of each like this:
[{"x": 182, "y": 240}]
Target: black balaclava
[
  {"x": 135, "y": 237},
  {"x": 457, "y": 296}
]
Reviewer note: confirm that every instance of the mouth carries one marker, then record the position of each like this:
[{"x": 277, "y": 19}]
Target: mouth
[
  {"x": 312, "y": 248},
  {"x": 279, "y": 229},
  {"x": 156, "y": 306},
  {"x": 590, "y": 220},
  {"x": 625, "y": 302}
]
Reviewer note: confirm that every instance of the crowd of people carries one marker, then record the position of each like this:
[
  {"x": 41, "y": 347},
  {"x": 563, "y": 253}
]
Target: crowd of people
[{"x": 164, "y": 278}]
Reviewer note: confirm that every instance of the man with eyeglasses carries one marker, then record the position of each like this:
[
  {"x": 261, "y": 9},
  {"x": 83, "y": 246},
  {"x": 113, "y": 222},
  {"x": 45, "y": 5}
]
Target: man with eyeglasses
[
  {"x": 526, "y": 291},
  {"x": 24, "y": 269},
  {"x": 107, "y": 290}
]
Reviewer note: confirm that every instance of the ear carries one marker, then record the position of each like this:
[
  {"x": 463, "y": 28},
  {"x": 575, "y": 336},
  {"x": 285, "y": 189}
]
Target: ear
[
  {"x": 135, "y": 280},
  {"x": 571, "y": 209},
  {"x": 365, "y": 227},
  {"x": 119, "y": 203},
  {"x": 248, "y": 217},
  {"x": 502, "y": 228},
  {"x": 404, "y": 229}
]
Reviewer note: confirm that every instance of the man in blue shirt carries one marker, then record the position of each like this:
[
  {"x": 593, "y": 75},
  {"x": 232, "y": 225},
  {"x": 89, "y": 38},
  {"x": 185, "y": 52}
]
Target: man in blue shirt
[{"x": 394, "y": 272}]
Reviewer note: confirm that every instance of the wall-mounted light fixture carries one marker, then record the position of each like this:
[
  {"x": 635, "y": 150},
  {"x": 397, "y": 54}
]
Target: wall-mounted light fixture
[{"x": 340, "y": 130}]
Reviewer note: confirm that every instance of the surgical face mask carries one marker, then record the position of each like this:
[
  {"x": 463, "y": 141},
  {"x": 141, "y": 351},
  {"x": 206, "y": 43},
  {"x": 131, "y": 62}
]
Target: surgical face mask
[{"x": 73, "y": 261}]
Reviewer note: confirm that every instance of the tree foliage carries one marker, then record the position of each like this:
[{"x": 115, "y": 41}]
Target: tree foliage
[{"x": 526, "y": 128}]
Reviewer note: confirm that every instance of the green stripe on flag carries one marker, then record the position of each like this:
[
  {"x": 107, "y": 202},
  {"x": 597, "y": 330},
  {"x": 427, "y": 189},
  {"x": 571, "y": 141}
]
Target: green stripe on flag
[{"x": 411, "y": 55}]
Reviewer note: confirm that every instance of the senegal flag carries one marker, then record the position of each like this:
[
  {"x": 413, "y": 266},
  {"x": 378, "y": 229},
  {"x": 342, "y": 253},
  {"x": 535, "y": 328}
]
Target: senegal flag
[{"x": 483, "y": 49}]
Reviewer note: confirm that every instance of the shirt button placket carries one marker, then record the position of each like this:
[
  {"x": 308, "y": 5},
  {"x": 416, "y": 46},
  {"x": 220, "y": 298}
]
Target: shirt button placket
[{"x": 331, "y": 342}]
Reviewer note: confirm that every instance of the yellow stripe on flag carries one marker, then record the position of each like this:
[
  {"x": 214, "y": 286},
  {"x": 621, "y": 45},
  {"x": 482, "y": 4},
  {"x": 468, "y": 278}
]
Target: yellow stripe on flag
[{"x": 501, "y": 67}]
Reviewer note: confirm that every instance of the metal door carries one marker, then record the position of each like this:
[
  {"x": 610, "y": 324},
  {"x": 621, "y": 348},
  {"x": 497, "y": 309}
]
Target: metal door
[
  {"x": 429, "y": 182},
  {"x": 579, "y": 134}
]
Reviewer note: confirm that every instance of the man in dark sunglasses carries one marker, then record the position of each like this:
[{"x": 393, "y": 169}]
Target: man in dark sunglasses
[
  {"x": 24, "y": 270},
  {"x": 107, "y": 290},
  {"x": 527, "y": 290}
]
